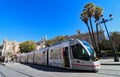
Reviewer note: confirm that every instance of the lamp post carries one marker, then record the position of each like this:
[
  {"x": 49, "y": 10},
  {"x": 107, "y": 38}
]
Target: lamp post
[{"x": 113, "y": 49}]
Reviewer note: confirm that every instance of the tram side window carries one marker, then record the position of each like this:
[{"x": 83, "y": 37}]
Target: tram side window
[{"x": 79, "y": 52}]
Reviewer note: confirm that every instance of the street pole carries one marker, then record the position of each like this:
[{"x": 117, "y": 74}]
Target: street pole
[{"x": 113, "y": 49}]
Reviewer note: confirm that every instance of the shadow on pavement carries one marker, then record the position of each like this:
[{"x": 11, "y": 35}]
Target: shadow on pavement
[{"x": 56, "y": 69}]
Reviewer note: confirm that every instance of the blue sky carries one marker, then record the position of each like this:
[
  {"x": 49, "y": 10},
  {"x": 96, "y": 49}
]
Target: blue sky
[{"x": 22, "y": 20}]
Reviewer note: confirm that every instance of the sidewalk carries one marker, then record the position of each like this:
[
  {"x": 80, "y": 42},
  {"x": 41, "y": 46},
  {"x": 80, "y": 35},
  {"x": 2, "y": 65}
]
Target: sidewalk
[
  {"x": 109, "y": 61},
  {"x": 8, "y": 63}
]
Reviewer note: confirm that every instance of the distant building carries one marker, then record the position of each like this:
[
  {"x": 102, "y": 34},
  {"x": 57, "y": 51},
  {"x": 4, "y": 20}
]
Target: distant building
[
  {"x": 41, "y": 43},
  {"x": 86, "y": 36},
  {"x": 13, "y": 46},
  {"x": 10, "y": 46}
]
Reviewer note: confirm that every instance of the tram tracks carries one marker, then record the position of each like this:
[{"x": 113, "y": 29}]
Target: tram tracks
[
  {"x": 17, "y": 71},
  {"x": 20, "y": 72},
  {"x": 2, "y": 75}
]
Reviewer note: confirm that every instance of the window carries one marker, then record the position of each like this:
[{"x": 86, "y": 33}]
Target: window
[
  {"x": 90, "y": 49},
  {"x": 79, "y": 52}
]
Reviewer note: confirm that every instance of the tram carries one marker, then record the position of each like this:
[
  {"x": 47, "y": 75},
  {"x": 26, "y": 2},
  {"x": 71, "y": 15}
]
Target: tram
[{"x": 71, "y": 54}]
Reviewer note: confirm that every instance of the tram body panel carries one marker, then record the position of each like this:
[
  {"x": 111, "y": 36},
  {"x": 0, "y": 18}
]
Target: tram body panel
[
  {"x": 97, "y": 65},
  {"x": 23, "y": 58},
  {"x": 85, "y": 65},
  {"x": 56, "y": 57},
  {"x": 41, "y": 57},
  {"x": 36, "y": 57},
  {"x": 44, "y": 57},
  {"x": 30, "y": 57},
  {"x": 18, "y": 58}
]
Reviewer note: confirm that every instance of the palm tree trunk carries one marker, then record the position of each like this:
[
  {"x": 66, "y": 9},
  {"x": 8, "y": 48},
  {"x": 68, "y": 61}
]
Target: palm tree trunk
[
  {"x": 97, "y": 39},
  {"x": 90, "y": 34},
  {"x": 94, "y": 41}
]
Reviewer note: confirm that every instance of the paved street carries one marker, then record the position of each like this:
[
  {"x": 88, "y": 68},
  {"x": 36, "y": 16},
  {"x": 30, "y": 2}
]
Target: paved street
[{"x": 21, "y": 70}]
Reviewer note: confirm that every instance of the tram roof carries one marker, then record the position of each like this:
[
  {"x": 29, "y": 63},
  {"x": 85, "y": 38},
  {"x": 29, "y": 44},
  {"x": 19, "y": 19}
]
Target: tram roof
[{"x": 65, "y": 41}]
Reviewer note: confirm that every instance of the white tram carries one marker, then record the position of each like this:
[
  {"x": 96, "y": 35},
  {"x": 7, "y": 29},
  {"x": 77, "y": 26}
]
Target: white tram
[{"x": 70, "y": 54}]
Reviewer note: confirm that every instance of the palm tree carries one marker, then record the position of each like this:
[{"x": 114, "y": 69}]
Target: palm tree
[
  {"x": 89, "y": 8},
  {"x": 84, "y": 18},
  {"x": 97, "y": 14}
]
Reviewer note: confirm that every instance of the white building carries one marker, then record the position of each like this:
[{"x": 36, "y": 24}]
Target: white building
[
  {"x": 10, "y": 46},
  {"x": 41, "y": 43},
  {"x": 13, "y": 46}
]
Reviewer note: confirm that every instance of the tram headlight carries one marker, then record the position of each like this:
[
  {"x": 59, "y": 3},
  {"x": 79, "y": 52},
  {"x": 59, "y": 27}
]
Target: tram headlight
[{"x": 96, "y": 59}]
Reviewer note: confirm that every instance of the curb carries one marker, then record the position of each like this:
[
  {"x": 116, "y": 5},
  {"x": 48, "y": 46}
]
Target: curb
[{"x": 110, "y": 63}]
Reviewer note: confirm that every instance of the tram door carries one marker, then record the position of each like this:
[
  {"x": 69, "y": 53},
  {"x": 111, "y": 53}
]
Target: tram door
[{"x": 66, "y": 57}]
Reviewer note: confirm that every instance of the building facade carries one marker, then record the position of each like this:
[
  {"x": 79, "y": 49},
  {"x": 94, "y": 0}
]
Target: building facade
[
  {"x": 42, "y": 43},
  {"x": 13, "y": 46},
  {"x": 86, "y": 36},
  {"x": 10, "y": 46}
]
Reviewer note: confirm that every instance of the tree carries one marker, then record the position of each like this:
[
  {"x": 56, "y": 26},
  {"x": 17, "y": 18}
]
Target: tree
[
  {"x": 61, "y": 38},
  {"x": 27, "y": 46},
  {"x": 84, "y": 18},
  {"x": 89, "y": 8},
  {"x": 105, "y": 45},
  {"x": 55, "y": 40},
  {"x": 115, "y": 37},
  {"x": 49, "y": 43},
  {"x": 89, "y": 11},
  {"x": 97, "y": 14}
]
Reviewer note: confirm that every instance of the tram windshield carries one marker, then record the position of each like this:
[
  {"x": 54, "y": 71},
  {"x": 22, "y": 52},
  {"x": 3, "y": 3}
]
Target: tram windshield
[
  {"x": 90, "y": 49},
  {"x": 79, "y": 52}
]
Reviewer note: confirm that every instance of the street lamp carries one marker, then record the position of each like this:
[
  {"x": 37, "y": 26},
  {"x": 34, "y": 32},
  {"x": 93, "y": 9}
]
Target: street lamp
[{"x": 113, "y": 49}]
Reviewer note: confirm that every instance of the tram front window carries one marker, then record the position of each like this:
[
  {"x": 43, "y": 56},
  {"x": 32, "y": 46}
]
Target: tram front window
[
  {"x": 79, "y": 52},
  {"x": 90, "y": 49}
]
